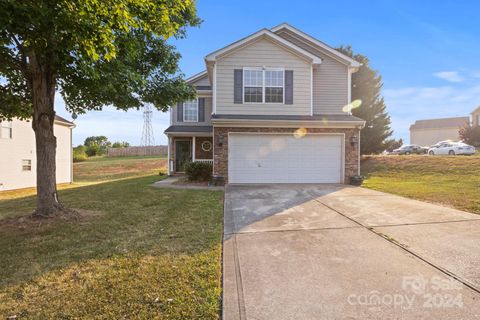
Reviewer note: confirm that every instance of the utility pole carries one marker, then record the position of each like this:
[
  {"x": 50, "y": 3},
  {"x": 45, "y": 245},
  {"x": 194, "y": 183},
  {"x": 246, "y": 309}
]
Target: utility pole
[{"x": 148, "y": 139}]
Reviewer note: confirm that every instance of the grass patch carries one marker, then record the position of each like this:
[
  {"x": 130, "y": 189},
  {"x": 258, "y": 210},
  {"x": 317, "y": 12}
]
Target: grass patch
[
  {"x": 143, "y": 252},
  {"x": 450, "y": 180},
  {"x": 107, "y": 169}
]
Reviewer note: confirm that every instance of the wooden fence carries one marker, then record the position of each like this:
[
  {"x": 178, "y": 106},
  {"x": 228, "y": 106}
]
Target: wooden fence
[{"x": 137, "y": 151}]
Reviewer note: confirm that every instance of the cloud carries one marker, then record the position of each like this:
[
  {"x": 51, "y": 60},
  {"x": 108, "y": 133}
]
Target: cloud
[
  {"x": 450, "y": 76},
  {"x": 408, "y": 104}
]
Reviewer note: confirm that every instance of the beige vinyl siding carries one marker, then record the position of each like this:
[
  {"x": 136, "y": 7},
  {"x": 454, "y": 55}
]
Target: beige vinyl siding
[
  {"x": 203, "y": 81},
  {"x": 330, "y": 79},
  {"x": 22, "y": 147},
  {"x": 476, "y": 118},
  {"x": 208, "y": 115},
  {"x": 263, "y": 52},
  {"x": 428, "y": 137}
]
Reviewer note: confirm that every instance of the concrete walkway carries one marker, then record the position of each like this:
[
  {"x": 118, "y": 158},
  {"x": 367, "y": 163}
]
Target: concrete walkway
[
  {"x": 170, "y": 182},
  {"x": 340, "y": 252}
]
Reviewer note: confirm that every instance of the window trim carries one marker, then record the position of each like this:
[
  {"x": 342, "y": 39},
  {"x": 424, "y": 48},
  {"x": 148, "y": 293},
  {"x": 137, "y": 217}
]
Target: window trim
[
  {"x": 185, "y": 120},
  {"x": 29, "y": 165},
  {"x": 8, "y": 125},
  {"x": 243, "y": 84},
  {"x": 263, "y": 69}
]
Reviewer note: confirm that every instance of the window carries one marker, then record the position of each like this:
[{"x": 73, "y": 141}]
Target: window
[
  {"x": 6, "y": 130},
  {"x": 26, "y": 165},
  {"x": 274, "y": 86},
  {"x": 190, "y": 111},
  {"x": 253, "y": 86},
  {"x": 263, "y": 86}
]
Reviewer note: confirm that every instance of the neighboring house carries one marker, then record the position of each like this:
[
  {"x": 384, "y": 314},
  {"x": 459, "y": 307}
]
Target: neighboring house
[
  {"x": 431, "y": 131},
  {"x": 271, "y": 108},
  {"x": 476, "y": 117},
  {"x": 18, "y": 157}
]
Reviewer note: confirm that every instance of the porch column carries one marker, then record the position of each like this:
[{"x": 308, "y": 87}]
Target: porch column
[
  {"x": 168, "y": 155},
  {"x": 193, "y": 149}
]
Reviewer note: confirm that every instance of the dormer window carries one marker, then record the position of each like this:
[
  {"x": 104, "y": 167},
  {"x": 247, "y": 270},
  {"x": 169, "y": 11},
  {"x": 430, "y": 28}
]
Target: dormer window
[
  {"x": 190, "y": 111},
  {"x": 263, "y": 85}
]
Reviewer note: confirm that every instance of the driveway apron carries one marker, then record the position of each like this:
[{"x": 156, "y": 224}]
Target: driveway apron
[{"x": 341, "y": 252}]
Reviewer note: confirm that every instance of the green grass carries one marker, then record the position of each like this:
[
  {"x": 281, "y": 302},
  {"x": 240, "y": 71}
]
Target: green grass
[
  {"x": 108, "y": 159},
  {"x": 449, "y": 180},
  {"x": 139, "y": 251},
  {"x": 107, "y": 169}
]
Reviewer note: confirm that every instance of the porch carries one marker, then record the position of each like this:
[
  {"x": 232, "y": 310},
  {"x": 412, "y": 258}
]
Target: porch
[{"x": 183, "y": 149}]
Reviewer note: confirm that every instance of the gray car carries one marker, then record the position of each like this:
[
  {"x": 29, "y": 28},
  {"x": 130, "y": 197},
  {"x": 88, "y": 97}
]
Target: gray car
[{"x": 410, "y": 149}]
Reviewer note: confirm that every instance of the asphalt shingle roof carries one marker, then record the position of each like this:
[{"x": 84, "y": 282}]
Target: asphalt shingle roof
[{"x": 440, "y": 123}]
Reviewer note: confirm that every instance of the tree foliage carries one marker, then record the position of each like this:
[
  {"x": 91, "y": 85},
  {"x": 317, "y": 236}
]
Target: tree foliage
[
  {"x": 100, "y": 52},
  {"x": 366, "y": 87},
  {"x": 470, "y": 135},
  {"x": 120, "y": 144},
  {"x": 79, "y": 153},
  {"x": 96, "y": 145},
  {"x": 392, "y": 144},
  {"x": 95, "y": 53}
]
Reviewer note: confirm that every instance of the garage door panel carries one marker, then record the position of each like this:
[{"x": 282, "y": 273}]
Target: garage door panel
[{"x": 270, "y": 158}]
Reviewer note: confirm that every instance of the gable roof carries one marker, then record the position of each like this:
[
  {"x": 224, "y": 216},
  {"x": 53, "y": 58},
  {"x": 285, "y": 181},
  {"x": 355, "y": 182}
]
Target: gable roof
[
  {"x": 476, "y": 110},
  {"x": 63, "y": 121},
  {"x": 323, "y": 46},
  {"x": 257, "y": 35},
  {"x": 440, "y": 123},
  {"x": 196, "y": 77}
]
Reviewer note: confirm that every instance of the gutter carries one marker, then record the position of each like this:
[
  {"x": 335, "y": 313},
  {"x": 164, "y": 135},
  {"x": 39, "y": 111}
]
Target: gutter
[{"x": 288, "y": 123}]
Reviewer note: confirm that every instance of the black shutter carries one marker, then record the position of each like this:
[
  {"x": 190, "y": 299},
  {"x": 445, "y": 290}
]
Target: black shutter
[
  {"x": 237, "y": 86},
  {"x": 288, "y": 86},
  {"x": 201, "y": 109},
  {"x": 180, "y": 112}
]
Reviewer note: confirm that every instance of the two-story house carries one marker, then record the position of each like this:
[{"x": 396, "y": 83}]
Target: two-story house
[
  {"x": 18, "y": 161},
  {"x": 273, "y": 107}
]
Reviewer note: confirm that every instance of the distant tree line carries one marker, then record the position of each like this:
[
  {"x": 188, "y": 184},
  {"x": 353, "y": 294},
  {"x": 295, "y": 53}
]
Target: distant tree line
[{"x": 95, "y": 146}]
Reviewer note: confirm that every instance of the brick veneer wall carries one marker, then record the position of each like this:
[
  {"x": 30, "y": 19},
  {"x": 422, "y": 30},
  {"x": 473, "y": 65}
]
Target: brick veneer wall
[
  {"x": 220, "y": 149},
  {"x": 199, "y": 153}
]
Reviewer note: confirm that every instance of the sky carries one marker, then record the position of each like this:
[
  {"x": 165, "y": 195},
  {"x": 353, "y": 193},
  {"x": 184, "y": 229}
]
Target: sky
[{"x": 427, "y": 53}]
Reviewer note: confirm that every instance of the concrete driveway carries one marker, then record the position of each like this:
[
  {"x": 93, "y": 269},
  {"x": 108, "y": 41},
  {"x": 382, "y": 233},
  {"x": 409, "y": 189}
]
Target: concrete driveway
[{"x": 340, "y": 252}]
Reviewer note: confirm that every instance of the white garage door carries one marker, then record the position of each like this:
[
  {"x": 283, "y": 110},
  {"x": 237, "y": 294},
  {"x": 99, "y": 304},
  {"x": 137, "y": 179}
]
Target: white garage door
[{"x": 283, "y": 158}]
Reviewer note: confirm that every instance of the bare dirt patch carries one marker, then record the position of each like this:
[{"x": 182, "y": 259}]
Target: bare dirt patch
[
  {"x": 186, "y": 182},
  {"x": 29, "y": 222}
]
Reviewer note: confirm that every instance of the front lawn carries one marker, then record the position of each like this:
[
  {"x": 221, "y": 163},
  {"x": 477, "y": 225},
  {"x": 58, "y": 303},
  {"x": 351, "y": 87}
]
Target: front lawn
[
  {"x": 450, "y": 180},
  {"x": 138, "y": 251}
]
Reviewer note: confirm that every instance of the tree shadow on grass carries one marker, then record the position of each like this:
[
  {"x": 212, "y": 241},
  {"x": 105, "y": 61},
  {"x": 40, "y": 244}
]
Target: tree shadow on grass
[{"x": 131, "y": 218}]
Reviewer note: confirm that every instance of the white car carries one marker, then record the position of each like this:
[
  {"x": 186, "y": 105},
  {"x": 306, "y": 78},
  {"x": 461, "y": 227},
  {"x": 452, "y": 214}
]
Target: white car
[{"x": 451, "y": 148}]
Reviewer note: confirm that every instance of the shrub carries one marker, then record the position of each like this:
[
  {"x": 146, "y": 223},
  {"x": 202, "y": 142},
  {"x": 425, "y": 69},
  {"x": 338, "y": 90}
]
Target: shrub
[
  {"x": 198, "y": 171},
  {"x": 119, "y": 144},
  {"x": 470, "y": 135},
  {"x": 79, "y": 154},
  {"x": 96, "y": 145},
  {"x": 93, "y": 150}
]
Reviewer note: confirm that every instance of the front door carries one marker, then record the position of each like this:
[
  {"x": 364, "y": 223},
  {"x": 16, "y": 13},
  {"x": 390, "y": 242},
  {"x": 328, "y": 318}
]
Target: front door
[{"x": 183, "y": 154}]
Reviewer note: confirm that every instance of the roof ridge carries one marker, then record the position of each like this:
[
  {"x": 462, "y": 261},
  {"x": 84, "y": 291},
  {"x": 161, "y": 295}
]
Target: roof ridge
[
  {"x": 449, "y": 118},
  {"x": 320, "y": 43}
]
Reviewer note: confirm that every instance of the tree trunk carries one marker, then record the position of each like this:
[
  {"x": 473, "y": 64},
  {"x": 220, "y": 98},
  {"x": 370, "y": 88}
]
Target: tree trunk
[{"x": 43, "y": 84}]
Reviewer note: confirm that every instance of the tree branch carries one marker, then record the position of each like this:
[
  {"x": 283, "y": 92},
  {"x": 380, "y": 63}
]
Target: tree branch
[{"x": 22, "y": 62}]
